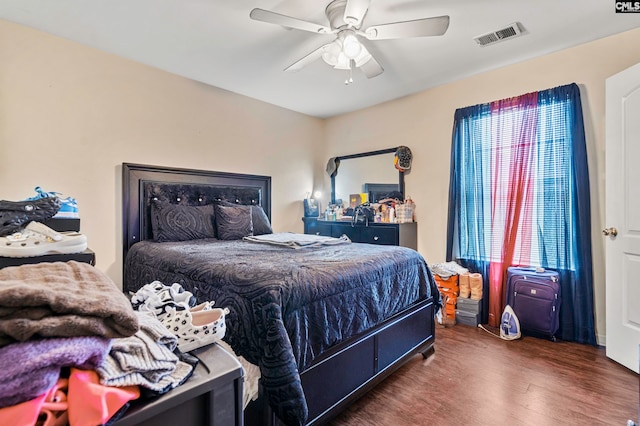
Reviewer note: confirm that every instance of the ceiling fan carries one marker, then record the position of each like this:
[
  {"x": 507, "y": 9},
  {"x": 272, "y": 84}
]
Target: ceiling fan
[{"x": 347, "y": 51}]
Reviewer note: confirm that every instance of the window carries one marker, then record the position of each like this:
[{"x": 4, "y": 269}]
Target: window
[
  {"x": 543, "y": 230},
  {"x": 519, "y": 195}
]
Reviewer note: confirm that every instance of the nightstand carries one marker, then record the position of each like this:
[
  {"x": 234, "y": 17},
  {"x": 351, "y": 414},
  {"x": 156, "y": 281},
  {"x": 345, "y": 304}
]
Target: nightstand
[{"x": 211, "y": 396}]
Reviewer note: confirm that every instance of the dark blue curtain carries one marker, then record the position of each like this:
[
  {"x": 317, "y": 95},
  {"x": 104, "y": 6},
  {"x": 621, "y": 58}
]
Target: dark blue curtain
[
  {"x": 564, "y": 239},
  {"x": 465, "y": 194}
]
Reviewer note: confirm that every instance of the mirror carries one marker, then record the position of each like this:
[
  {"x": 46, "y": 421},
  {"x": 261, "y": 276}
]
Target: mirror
[{"x": 372, "y": 173}]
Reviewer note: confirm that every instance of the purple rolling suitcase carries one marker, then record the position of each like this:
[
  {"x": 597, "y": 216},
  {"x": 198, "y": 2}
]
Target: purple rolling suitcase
[{"x": 534, "y": 296}]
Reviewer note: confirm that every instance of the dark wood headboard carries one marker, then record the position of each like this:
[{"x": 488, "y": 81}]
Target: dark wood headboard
[{"x": 143, "y": 183}]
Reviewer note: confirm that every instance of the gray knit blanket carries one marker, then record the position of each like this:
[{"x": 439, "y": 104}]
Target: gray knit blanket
[
  {"x": 297, "y": 241},
  {"x": 61, "y": 299}
]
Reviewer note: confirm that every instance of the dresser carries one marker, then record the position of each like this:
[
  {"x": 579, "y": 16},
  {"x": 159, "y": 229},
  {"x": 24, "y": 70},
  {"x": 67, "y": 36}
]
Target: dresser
[{"x": 393, "y": 234}]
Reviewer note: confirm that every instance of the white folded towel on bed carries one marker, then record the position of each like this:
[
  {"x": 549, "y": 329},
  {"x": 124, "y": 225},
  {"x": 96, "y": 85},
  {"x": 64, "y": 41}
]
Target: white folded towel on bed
[{"x": 297, "y": 241}]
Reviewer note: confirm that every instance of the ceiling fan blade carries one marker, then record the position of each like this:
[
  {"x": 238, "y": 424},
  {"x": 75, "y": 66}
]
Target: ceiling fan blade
[
  {"x": 371, "y": 68},
  {"x": 417, "y": 28},
  {"x": 287, "y": 21},
  {"x": 306, "y": 60},
  {"x": 354, "y": 12}
]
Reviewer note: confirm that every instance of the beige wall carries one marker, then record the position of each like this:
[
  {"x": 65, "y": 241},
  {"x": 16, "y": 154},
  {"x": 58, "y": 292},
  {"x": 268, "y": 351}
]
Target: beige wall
[
  {"x": 424, "y": 122},
  {"x": 71, "y": 115}
]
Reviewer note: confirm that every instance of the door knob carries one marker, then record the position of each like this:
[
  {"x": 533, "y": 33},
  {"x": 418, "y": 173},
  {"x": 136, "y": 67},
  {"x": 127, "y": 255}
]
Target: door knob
[{"x": 610, "y": 231}]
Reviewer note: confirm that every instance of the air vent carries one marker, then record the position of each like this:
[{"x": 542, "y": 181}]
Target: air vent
[{"x": 513, "y": 30}]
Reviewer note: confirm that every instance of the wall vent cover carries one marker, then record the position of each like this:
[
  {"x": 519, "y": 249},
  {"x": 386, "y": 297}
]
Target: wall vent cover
[{"x": 513, "y": 30}]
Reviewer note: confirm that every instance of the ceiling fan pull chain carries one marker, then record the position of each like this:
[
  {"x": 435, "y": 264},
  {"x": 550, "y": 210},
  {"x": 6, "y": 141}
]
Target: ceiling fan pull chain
[
  {"x": 352, "y": 65},
  {"x": 349, "y": 78}
]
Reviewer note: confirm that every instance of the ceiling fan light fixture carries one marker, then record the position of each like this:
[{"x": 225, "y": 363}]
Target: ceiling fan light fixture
[
  {"x": 343, "y": 63},
  {"x": 363, "y": 57},
  {"x": 331, "y": 52},
  {"x": 351, "y": 47}
]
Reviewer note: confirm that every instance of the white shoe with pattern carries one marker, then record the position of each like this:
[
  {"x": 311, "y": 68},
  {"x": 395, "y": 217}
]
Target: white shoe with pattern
[
  {"x": 196, "y": 329},
  {"x": 37, "y": 239}
]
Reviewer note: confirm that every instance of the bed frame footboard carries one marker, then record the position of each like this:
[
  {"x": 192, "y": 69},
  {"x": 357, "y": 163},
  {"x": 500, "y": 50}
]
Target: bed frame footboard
[{"x": 354, "y": 367}]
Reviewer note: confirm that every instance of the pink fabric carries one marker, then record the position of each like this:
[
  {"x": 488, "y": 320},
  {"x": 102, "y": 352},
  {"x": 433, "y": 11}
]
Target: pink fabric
[
  {"x": 23, "y": 414},
  {"x": 513, "y": 148},
  {"x": 54, "y": 409},
  {"x": 91, "y": 403},
  {"x": 48, "y": 409},
  {"x": 78, "y": 401}
]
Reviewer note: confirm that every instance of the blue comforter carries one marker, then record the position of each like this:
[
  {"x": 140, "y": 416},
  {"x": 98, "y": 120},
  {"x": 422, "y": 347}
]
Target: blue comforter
[{"x": 287, "y": 306}]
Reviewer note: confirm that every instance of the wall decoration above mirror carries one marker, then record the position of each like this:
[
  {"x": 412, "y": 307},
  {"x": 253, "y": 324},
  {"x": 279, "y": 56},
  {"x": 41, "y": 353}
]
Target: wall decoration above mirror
[{"x": 370, "y": 172}]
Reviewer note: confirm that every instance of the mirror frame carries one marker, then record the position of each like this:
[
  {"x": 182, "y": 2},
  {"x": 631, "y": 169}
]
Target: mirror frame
[{"x": 367, "y": 154}]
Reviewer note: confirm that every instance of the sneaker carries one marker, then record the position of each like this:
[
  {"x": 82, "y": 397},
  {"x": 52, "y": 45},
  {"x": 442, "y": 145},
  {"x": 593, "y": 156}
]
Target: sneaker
[
  {"x": 455, "y": 267},
  {"x": 440, "y": 270},
  {"x": 206, "y": 306},
  {"x": 157, "y": 298},
  {"x": 145, "y": 292},
  {"x": 14, "y": 215},
  {"x": 156, "y": 288},
  {"x": 68, "y": 207},
  {"x": 37, "y": 239},
  {"x": 196, "y": 329}
]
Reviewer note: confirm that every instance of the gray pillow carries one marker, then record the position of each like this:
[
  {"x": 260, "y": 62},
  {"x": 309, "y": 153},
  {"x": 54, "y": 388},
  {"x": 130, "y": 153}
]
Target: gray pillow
[
  {"x": 174, "y": 222},
  {"x": 260, "y": 220},
  {"x": 261, "y": 224},
  {"x": 233, "y": 222}
]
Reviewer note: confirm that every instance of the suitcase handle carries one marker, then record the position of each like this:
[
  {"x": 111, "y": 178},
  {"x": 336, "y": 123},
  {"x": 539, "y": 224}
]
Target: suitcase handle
[{"x": 538, "y": 269}]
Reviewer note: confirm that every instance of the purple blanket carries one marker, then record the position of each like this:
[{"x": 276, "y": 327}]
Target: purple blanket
[{"x": 31, "y": 368}]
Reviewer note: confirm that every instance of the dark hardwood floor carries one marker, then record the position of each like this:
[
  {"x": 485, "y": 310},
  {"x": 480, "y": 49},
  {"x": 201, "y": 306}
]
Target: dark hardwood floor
[{"x": 476, "y": 379}]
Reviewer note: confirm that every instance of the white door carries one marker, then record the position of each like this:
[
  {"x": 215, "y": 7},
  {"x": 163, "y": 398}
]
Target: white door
[{"x": 623, "y": 216}]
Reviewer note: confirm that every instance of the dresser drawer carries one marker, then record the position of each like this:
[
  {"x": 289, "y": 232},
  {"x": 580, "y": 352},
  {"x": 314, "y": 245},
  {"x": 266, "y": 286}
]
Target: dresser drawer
[
  {"x": 379, "y": 235},
  {"x": 340, "y": 229},
  {"x": 317, "y": 228}
]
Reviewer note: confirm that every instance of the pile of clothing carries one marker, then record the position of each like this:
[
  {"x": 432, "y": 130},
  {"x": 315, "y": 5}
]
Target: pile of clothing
[
  {"x": 194, "y": 325},
  {"x": 73, "y": 350},
  {"x": 455, "y": 281}
]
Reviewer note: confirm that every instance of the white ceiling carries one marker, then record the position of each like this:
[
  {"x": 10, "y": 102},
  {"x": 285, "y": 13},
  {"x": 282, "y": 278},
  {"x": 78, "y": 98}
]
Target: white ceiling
[{"x": 215, "y": 42}]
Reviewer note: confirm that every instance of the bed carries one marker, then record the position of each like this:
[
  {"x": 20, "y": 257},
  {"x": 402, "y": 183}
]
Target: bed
[{"x": 324, "y": 323}]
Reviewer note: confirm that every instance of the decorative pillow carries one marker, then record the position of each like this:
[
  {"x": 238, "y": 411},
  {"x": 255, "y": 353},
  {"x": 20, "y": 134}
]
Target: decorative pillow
[
  {"x": 174, "y": 222},
  {"x": 233, "y": 222},
  {"x": 261, "y": 224}
]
